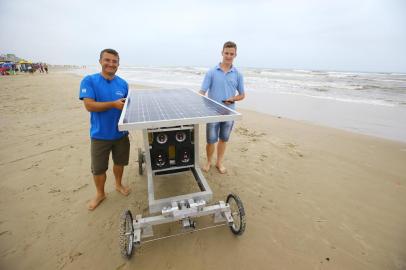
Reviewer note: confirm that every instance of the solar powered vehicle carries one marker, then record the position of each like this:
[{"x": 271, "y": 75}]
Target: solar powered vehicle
[{"x": 169, "y": 120}]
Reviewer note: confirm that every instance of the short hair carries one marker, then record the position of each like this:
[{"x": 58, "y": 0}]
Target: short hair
[
  {"x": 230, "y": 44},
  {"x": 110, "y": 51}
]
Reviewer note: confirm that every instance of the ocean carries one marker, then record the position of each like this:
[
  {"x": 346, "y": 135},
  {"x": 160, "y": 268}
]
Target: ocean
[{"x": 367, "y": 103}]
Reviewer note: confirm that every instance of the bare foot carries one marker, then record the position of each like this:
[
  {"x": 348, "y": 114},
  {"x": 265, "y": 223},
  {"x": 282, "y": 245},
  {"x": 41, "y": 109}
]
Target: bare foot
[
  {"x": 221, "y": 168},
  {"x": 123, "y": 190},
  {"x": 95, "y": 202},
  {"x": 206, "y": 167}
]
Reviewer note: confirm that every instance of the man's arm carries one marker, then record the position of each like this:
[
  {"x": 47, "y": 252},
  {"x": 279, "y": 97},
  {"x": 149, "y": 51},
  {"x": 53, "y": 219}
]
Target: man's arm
[
  {"x": 206, "y": 84},
  {"x": 93, "y": 106},
  {"x": 234, "y": 98}
]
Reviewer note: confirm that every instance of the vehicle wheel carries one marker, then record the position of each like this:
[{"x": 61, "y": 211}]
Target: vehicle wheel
[
  {"x": 238, "y": 214},
  {"x": 126, "y": 231},
  {"x": 140, "y": 161}
]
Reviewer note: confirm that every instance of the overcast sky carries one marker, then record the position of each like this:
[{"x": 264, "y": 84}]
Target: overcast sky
[{"x": 351, "y": 35}]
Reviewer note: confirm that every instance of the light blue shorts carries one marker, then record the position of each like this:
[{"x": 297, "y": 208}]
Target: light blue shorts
[{"x": 221, "y": 130}]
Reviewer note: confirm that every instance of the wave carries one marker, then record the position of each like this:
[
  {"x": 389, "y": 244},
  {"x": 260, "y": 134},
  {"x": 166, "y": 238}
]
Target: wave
[
  {"x": 387, "y": 89},
  {"x": 345, "y": 99}
]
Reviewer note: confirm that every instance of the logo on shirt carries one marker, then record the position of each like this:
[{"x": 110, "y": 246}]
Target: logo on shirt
[
  {"x": 84, "y": 90},
  {"x": 119, "y": 93}
]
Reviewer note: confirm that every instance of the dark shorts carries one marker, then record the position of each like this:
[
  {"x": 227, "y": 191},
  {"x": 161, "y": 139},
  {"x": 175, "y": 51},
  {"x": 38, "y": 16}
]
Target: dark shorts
[{"x": 100, "y": 153}]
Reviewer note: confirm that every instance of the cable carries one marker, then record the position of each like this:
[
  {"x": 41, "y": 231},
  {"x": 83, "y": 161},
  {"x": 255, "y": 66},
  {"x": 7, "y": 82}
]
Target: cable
[{"x": 179, "y": 234}]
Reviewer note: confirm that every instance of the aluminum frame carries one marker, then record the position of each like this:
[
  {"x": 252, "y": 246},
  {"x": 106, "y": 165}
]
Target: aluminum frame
[
  {"x": 184, "y": 210},
  {"x": 156, "y": 206}
]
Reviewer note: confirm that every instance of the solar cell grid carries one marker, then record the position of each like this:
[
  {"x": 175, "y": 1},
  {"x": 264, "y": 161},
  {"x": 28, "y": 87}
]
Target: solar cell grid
[{"x": 158, "y": 108}]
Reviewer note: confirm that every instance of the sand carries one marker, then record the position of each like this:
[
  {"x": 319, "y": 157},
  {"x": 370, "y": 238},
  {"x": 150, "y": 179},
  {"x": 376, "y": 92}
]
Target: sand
[{"x": 315, "y": 197}]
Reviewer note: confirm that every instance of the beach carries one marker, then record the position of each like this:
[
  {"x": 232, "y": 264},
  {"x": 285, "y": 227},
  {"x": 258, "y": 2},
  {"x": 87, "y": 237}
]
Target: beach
[{"x": 315, "y": 197}]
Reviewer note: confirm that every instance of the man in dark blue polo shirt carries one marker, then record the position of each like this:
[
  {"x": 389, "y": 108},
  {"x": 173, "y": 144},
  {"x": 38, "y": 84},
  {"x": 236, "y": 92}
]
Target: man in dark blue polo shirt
[
  {"x": 224, "y": 84},
  {"x": 103, "y": 95}
]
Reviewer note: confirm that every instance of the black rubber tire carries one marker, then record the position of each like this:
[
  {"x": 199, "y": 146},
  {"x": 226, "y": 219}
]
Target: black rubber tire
[
  {"x": 236, "y": 204},
  {"x": 126, "y": 241},
  {"x": 140, "y": 161}
]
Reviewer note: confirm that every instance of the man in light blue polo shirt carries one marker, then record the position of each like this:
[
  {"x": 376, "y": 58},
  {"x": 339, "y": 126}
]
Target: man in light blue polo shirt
[
  {"x": 103, "y": 95},
  {"x": 224, "y": 84}
]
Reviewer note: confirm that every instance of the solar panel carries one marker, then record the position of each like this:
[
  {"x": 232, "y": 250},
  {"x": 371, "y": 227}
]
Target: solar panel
[{"x": 171, "y": 107}]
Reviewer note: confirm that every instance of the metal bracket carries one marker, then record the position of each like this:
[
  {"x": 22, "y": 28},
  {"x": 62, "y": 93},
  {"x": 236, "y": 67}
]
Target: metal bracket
[{"x": 188, "y": 223}]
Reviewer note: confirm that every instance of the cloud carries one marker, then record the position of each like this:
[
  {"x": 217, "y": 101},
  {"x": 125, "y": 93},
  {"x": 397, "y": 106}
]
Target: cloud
[{"x": 343, "y": 35}]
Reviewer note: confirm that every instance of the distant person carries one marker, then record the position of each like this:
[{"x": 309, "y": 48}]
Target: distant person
[
  {"x": 103, "y": 95},
  {"x": 3, "y": 70},
  {"x": 46, "y": 67},
  {"x": 222, "y": 83}
]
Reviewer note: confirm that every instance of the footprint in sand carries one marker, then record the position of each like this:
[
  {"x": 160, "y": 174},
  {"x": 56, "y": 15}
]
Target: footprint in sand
[
  {"x": 293, "y": 149},
  {"x": 33, "y": 165},
  {"x": 247, "y": 133},
  {"x": 264, "y": 209},
  {"x": 74, "y": 256},
  {"x": 79, "y": 188},
  {"x": 5, "y": 233},
  {"x": 54, "y": 190},
  {"x": 33, "y": 187}
]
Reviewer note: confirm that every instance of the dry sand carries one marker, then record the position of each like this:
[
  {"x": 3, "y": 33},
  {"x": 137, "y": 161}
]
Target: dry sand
[{"x": 315, "y": 197}]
